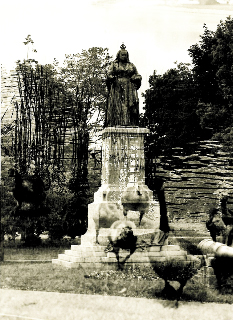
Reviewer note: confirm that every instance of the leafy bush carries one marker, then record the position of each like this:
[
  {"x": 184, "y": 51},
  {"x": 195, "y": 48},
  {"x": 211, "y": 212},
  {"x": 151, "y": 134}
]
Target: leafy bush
[{"x": 174, "y": 270}]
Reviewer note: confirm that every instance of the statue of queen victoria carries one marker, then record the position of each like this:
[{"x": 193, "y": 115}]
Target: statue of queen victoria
[{"x": 123, "y": 81}]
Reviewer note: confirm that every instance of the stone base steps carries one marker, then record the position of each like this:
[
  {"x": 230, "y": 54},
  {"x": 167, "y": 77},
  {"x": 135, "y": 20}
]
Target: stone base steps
[
  {"x": 94, "y": 256},
  {"x": 89, "y": 238}
]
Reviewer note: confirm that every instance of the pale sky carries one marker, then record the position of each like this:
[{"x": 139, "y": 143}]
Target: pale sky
[{"x": 155, "y": 35}]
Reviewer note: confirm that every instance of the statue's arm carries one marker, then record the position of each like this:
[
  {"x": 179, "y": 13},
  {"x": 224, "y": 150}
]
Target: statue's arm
[
  {"x": 136, "y": 78},
  {"x": 111, "y": 76},
  {"x": 111, "y": 71}
]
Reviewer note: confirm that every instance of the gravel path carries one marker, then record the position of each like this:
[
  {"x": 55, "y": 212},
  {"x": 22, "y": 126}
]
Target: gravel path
[{"x": 35, "y": 305}]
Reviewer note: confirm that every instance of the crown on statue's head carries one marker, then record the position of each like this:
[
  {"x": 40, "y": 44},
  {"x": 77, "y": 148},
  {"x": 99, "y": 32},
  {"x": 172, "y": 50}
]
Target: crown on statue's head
[{"x": 123, "y": 46}]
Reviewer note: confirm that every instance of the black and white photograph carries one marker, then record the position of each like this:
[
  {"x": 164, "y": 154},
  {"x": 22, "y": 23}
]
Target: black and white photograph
[{"x": 116, "y": 160}]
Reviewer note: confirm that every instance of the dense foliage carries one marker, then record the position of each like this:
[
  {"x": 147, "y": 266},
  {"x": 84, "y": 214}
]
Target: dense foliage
[
  {"x": 170, "y": 107},
  {"x": 192, "y": 102},
  {"x": 213, "y": 73},
  {"x": 86, "y": 71},
  {"x": 56, "y": 105}
]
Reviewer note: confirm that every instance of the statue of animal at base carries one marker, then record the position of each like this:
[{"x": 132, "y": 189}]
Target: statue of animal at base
[{"x": 136, "y": 198}]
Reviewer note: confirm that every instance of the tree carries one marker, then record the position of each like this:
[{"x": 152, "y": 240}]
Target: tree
[
  {"x": 170, "y": 114},
  {"x": 183, "y": 104},
  {"x": 29, "y": 43},
  {"x": 56, "y": 103},
  {"x": 213, "y": 74},
  {"x": 28, "y": 40},
  {"x": 170, "y": 107},
  {"x": 85, "y": 73},
  {"x": 45, "y": 112},
  {"x": 41, "y": 120},
  {"x": 185, "y": 100}
]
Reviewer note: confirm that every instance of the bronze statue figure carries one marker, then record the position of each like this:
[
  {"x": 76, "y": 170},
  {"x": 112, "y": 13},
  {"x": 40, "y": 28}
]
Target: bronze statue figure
[{"x": 123, "y": 81}]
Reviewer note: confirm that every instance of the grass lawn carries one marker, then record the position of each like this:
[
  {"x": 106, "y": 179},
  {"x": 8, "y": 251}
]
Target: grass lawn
[
  {"x": 15, "y": 250},
  {"x": 139, "y": 282},
  {"x": 40, "y": 253}
]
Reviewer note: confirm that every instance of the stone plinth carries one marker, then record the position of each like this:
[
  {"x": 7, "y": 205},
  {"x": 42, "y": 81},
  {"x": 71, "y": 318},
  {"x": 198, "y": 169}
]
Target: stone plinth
[
  {"x": 123, "y": 163},
  {"x": 122, "y": 195},
  {"x": 123, "y": 159},
  {"x": 95, "y": 257},
  {"x": 123, "y": 177}
]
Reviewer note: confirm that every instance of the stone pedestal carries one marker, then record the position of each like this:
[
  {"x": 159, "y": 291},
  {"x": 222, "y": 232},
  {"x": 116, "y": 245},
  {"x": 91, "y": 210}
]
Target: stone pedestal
[
  {"x": 122, "y": 189},
  {"x": 123, "y": 173},
  {"x": 123, "y": 156},
  {"x": 123, "y": 162},
  {"x": 89, "y": 257}
]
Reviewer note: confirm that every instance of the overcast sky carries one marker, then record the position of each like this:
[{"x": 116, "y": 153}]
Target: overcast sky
[{"x": 155, "y": 35}]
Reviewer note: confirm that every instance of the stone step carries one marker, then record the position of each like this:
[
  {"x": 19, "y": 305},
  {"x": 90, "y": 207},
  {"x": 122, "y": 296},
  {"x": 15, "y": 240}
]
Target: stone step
[
  {"x": 135, "y": 254},
  {"x": 143, "y": 259},
  {"x": 155, "y": 254},
  {"x": 94, "y": 257},
  {"x": 112, "y": 254},
  {"x": 91, "y": 259},
  {"x": 111, "y": 257},
  {"x": 170, "y": 247},
  {"x": 138, "y": 254},
  {"x": 76, "y": 247},
  {"x": 62, "y": 256},
  {"x": 157, "y": 259},
  {"x": 174, "y": 253},
  {"x": 96, "y": 254},
  {"x": 76, "y": 253},
  {"x": 154, "y": 248},
  {"x": 74, "y": 256},
  {"x": 106, "y": 263},
  {"x": 85, "y": 248}
]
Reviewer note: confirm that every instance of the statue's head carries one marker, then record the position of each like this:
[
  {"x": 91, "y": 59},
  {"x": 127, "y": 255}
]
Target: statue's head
[{"x": 122, "y": 54}]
